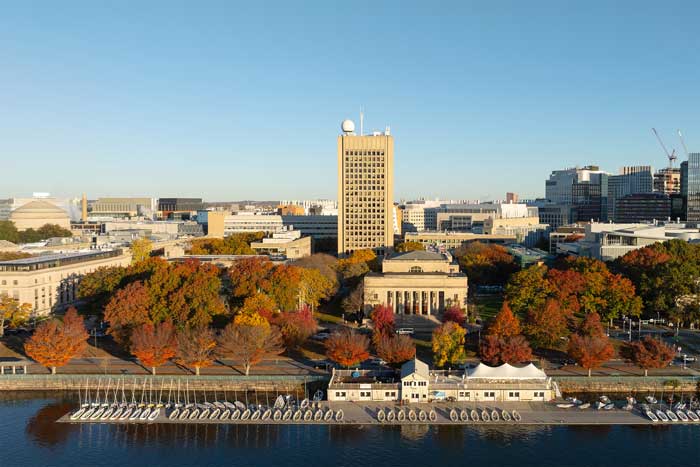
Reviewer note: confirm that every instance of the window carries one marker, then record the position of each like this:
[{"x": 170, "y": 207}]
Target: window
[
  {"x": 365, "y": 394},
  {"x": 340, "y": 394},
  {"x": 514, "y": 394},
  {"x": 489, "y": 394},
  {"x": 415, "y": 269}
]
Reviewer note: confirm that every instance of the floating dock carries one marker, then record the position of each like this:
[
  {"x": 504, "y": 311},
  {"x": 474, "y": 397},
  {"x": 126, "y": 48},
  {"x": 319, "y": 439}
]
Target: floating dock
[{"x": 377, "y": 413}]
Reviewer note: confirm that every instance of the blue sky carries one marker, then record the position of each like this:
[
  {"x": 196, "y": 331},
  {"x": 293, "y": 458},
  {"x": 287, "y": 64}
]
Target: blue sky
[{"x": 230, "y": 100}]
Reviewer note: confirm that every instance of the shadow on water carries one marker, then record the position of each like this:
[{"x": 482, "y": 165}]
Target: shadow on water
[{"x": 43, "y": 429}]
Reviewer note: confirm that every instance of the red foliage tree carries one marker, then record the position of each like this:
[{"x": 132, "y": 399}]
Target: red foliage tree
[
  {"x": 347, "y": 348},
  {"x": 154, "y": 345},
  {"x": 454, "y": 314},
  {"x": 55, "y": 343},
  {"x": 504, "y": 324},
  {"x": 591, "y": 326},
  {"x": 396, "y": 349},
  {"x": 512, "y": 349},
  {"x": 383, "y": 318},
  {"x": 650, "y": 353},
  {"x": 296, "y": 326},
  {"x": 250, "y": 276}
]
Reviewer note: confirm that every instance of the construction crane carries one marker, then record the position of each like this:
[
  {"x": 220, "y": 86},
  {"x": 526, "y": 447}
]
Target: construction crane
[
  {"x": 685, "y": 148},
  {"x": 671, "y": 156}
]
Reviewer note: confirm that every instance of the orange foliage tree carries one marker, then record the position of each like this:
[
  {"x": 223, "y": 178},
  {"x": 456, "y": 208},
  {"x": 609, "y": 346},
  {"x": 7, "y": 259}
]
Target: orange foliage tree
[
  {"x": 650, "y": 353},
  {"x": 347, "y": 348},
  {"x": 504, "y": 324},
  {"x": 127, "y": 310},
  {"x": 396, "y": 349},
  {"x": 590, "y": 347},
  {"x": 513, "y": 349},
  {"x": 249, "y": 342},
  {"x": 546, "y": 326},
  {"x": 195, "y": 347},
  {"x": 155, "y": 344},
  {"x": 54, "y": 343}
]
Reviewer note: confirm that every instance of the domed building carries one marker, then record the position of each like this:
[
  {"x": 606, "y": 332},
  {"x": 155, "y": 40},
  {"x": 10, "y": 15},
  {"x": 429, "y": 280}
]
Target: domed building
[{"x": 38, "y": 213}]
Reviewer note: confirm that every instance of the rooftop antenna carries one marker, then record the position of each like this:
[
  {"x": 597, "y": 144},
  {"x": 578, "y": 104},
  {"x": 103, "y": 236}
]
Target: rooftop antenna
[
  {"x": 362, "y": 121},
  {"x": 671, "y": 156},
  {"x": 685, "y": 148}
]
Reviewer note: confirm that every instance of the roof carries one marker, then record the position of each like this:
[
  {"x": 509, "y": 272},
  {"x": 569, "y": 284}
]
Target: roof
[
  {"x": 419, "y": 255},
  {"x": 38, "y": 208},
  {"x": 415, "y": 366},
  {"x": 506, "y": 372},
  {"x": 6, "y": 244}
]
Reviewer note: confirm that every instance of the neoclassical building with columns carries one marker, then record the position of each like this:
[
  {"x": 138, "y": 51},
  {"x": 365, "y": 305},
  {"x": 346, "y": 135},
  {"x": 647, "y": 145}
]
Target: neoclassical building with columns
[{"x": 417, "y": 283}]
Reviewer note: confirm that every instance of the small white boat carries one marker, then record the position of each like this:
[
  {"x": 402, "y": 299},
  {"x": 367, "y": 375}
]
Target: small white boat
[
  {"x": 585, "y": 405},
  {"x": 304, "y": 404},
  {"x": 144, "y": 415},
  {"x": 662, "y": 415},
  {"x": 194, "y": 414},
  {"x": 240, "y": 405},
  {"x": 609, "y": 406},
  {"x": 485, "y": 416},
  {"x": 174, "y": 414},
  {"x": 599, "y": 405},
  {"x": 650, "y": 415},
  {"x": 604, "y": 399},
  {"x": 566, "y": 405},
  {"x": 215, "y": 414},
  {"x": 98, "y": 413},
  {"x": 573, "y": 400},
  {"x": 651, "y": 400},
  {"x": 328, "y": 415},
  {"x": 628, "y": 407},
  {"x": 78, "y": 413},
  {"x": 135, "y": 414},
  {"x": 682, "y": 415},
  {"x": 185, "y": 414},
  {"x": 154, "y": 414},
  {"x": 126, "y": 414},
  {"x": 697, "y": 411},
  {"x": 474, "y": 415},
  {"x": 516, "y": 416},
  {"x": 453, "y": 415},
  {"x": 672, "y": 416},
  {"x": 107, "y": 413},
  {"x": 225, "y": 415},
  {"x": 692, "y": 415}
]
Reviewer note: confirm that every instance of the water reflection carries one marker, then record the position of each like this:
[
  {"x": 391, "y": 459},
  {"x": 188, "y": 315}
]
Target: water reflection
[{"x": 42, "y": 427}]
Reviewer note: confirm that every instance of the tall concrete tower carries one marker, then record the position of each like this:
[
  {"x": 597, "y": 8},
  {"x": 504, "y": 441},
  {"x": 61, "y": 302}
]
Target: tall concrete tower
[{"x": 365, "y": 191}]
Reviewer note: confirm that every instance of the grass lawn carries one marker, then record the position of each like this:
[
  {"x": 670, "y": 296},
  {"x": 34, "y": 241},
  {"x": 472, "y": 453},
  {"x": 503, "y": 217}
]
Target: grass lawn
[{"x": 488, "y": 306}]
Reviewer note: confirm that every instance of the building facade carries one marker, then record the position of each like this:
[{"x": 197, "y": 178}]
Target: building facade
[
  {"x": 179, "y": 207},
  {"x": 643, "y": 207},
  {"x": 122, "y": 207},
  {"x": 692, "y": 187},
  {"x": 288, "y": 244},
  {"x": 50, "y": 282},
  {"x": 450, "y": 241},
  {"x": 667, "y": 180},
  {"x": 365, "y": 191},
  {"x": 417, "y": 283}
]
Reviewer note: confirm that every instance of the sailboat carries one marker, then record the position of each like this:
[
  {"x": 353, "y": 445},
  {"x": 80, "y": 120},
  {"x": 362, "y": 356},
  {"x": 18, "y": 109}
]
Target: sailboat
[{"x": 82, "y": 406}]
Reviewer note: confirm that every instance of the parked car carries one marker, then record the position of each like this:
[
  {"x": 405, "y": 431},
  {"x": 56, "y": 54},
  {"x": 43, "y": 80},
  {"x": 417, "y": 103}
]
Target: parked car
[
  {"x": 375, "y": 361},
  {"x": 320, "y": 336},
  {"x": 405, "y": 331}
]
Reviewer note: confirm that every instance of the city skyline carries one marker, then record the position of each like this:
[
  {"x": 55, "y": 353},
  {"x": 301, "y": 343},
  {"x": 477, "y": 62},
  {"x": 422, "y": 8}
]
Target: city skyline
[{"x": 141, "y": 102}]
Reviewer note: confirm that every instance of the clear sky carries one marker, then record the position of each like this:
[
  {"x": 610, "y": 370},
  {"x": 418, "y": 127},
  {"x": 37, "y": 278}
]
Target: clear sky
[{"x": 243, "y": 100}]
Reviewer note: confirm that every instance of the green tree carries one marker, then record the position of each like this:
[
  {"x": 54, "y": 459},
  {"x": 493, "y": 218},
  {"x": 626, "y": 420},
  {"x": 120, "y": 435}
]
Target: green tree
[
  {"x": 9, "y": 232},
  {"x": 528, "y": 289}
]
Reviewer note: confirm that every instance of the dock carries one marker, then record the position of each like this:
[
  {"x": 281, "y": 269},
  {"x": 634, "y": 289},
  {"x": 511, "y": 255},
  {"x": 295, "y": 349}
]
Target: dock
[{"x": 356, "y": 413}]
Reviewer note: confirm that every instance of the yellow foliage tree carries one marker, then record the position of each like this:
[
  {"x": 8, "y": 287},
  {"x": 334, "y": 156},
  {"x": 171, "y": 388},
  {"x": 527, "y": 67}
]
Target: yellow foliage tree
[
  {"x": 250, "y": 319},
  {"x": 12, "y": 313},
  {"x": 141, "y": 250},
  {"x": 448, "y": 344}
]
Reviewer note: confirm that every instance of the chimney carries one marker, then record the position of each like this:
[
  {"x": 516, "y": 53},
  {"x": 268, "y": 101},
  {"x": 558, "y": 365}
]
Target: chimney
[{"x": 83, "y": 208}]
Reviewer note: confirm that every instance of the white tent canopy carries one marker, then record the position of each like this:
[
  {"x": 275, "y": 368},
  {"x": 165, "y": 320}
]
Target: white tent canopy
[{"x": 505, "y": 372}]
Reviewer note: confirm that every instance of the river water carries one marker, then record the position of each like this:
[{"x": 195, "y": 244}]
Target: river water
[{"x": 29, "y": 436}]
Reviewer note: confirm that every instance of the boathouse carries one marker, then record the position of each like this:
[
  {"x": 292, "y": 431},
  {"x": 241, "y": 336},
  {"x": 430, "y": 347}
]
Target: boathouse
[{"x": 417, "y": 383}]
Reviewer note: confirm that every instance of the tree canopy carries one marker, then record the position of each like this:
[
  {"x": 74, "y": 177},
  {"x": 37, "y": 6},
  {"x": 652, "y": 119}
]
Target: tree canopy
[{"x": 485, "y": 263}]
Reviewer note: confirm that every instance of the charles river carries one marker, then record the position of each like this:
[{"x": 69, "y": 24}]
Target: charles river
[{"x": 29, "y": 436}]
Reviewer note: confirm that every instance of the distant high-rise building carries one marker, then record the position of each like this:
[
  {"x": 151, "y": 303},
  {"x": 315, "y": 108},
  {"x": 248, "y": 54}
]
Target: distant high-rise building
[
  {"x": 511, "y": 198},
  {"x": 631, "y": 180},
  {"x": 667, "y": 180},
  {"x": 365, "y": 191},
  {"x": 642, "y": 207},
  {"x": 692, "y": 186}
]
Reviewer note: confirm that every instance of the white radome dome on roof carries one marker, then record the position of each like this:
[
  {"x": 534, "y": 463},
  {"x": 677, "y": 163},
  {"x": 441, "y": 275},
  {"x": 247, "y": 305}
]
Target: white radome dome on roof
[{"x": 348, "y": 126}]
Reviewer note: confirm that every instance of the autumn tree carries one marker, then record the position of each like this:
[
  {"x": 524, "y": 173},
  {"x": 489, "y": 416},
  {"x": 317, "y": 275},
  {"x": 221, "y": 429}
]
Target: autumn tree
[
  {"x": 649, "y": 353},
  {"x": 96, "y": 288},
  {"x": 259, "y": 303},
  {"x": 153, "y": 344},
  {"x": 285, "y": 282},
  {"x": 141, "y": 249},
  {"x": 396, "y": 349},
  {"x": 314, "y": 286},
  {"x": 250, "y": 276},
  {"x": 12, "y": 312},
  {"x": 405, "y": 247},
  {"x": 353, "y": 302},
  {"x": 325, "y": 264},
  {"x": 513, "y": 349},
  {"x": 195, "y": 347},
  {"x": 383, "y": 320},
  {"x": 454, "y": 314},
  {"x": 590, "y": 347},
  {"x": 55, "y": 343},
  {"x": 347, "y": 348},
  {"x": 486, "y": 263},
  {"x": 448, "y": 344},
  {"x": 296, "y": 326},
  {"x": 249, "y": 342},
  {"x": 528, "y": 288},
  {"x": 10, "y": 255},
  {"x": 546, "y": 326},
  {"x": 504, "y": 324},
  {"x": 127, "y": 310}
]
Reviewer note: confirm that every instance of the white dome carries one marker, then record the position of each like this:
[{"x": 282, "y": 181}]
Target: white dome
[{"x": 348, "y": 126}]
